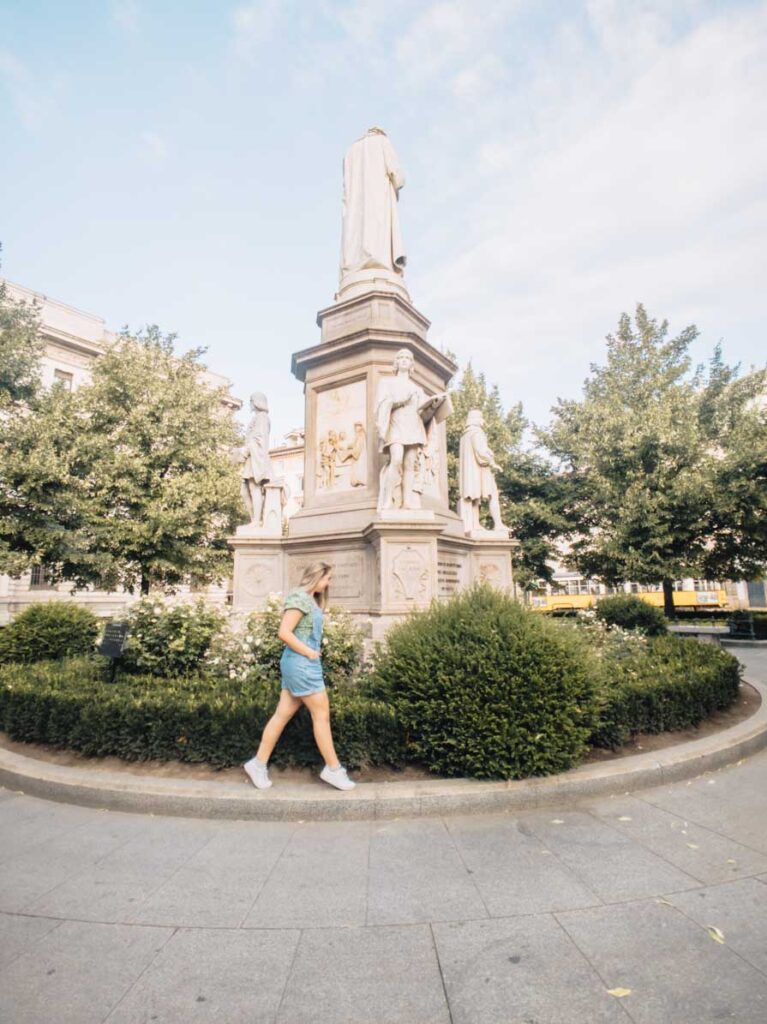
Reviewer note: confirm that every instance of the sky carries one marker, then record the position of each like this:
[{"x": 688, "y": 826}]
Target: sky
[{"x": 179, "y": 162}]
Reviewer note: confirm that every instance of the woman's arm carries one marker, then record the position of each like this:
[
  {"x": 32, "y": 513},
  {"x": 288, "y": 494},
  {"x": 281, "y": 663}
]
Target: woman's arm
[{"x": 290, "y": 620}]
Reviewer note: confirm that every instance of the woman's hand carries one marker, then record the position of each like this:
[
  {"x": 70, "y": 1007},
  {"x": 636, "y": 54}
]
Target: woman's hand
[{"x": 313, "y": 655}]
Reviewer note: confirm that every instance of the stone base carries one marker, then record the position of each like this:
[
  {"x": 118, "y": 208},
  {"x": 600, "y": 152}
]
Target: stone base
[
  {"x": 405, "y": 515},
  {"x": 375, "y": 279},
  {"x": 381, "y": 573}
]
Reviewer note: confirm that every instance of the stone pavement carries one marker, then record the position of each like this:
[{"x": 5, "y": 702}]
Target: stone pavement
[{"x": 531, "y": 917}]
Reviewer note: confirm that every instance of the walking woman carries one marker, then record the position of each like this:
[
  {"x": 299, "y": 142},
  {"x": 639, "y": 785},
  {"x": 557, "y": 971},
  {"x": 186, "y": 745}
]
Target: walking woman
[{"x": 302, "y": 679}]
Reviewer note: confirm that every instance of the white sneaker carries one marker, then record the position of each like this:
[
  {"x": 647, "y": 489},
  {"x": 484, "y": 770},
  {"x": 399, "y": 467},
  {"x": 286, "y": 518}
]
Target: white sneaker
[
  {"x": 258, "y": 774},
  {"x": 337, "y": 777}
]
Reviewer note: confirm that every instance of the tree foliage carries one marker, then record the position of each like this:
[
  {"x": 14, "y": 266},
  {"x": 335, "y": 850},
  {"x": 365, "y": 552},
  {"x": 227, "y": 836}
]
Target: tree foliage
[
  {"x": 21, "y": 347},
  {"x": 127, "y": 481},
  {"x": 656, "y": 454}
]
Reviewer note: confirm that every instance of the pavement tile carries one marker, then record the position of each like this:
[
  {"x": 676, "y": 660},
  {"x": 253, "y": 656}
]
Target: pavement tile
[
  {"x": 674, "y": 970},
  {"x": 416, "y": 874},
  {"x": 218, "y": 886},
  {"x": 221, "y": 975},
  {"x": 515, "y": 872},
  {"x": 384, "y": 975},
  {"x": 17, "y": 932},
  {"x": 611, "y": 864},
  {"x": 731, "y": 801},
  {"x": 21, "y": 829},
  {"x": 320, "y": 879},
  {"x": 33, "y": 874},
  {"x": 704, "y": 854},
  {"x": 77, "y": 973},
  {"x": 111, "y": 889},
  {"x": 519, "y": 970},
  {"x": 738, "y": 910}
]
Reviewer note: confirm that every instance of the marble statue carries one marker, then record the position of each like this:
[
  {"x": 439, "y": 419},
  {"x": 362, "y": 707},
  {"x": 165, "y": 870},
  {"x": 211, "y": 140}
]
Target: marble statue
[
  {"x": 476, "y": 480},
  {"x": 402, "y": 413},
  {"x": 256, "y": 470},
  {"x": 355, "y": 454},
  {"x": 371, "y": 237}
]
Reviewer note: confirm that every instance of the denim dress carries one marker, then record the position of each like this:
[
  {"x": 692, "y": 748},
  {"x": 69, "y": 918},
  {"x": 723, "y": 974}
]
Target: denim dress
[{"x": 300, "y": 675}]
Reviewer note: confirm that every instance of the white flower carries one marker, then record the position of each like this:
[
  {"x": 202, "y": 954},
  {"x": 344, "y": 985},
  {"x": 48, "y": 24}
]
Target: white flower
[{"x": 257, "y": 642}]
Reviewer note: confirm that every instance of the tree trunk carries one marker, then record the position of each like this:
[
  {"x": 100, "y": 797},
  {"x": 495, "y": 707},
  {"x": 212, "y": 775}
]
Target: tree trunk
[
  {"x": 144, "y": 584},
  {"x": 668, "y": 598}
]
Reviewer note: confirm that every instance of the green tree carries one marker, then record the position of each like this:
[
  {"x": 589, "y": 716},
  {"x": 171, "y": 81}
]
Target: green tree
[
  {"x": 21, "y": 347},
  {"x": 126, "y": 482},
  {"x": 648, "y": 450},
  {"x": 532, "y": 496}
]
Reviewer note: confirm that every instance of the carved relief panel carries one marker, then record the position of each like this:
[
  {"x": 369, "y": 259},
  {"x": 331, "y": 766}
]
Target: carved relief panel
[{"x": 341, "y": 455}]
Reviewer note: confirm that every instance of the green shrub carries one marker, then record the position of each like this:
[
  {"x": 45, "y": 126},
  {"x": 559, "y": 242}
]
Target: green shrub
[
  {"x": 194, "y": 718},
  {"x": 674, "y": 683},
  {"x": 631, "y": 612},
  {"x": 170, "y": 639},
  {"x": 486, "y": 689},
  {"x": 752, "y": 624},
  {"x": 55, "y": 629}
]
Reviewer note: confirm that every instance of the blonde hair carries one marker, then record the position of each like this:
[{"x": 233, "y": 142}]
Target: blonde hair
[{"x": 311, "y": 576}]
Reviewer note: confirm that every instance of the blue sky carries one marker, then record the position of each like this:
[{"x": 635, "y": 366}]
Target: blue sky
[{"x": 180, "y": 163}]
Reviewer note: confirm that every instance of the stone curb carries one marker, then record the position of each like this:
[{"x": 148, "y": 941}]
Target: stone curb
[{"x": 317, "y": 802}]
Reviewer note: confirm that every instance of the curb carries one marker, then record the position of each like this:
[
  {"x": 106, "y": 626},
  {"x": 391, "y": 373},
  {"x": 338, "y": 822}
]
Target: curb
[{"x": 315, "y": 802}]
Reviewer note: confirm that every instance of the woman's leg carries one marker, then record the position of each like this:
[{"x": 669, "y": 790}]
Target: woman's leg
[
  {"x": 286, "y": 708},
  {"x": 319, "y": 708}
]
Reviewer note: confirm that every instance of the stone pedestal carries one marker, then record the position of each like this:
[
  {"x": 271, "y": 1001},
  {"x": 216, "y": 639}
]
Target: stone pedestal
[
  {"x": 272, "y": 517},
  {"x": 384, "y": 563}
]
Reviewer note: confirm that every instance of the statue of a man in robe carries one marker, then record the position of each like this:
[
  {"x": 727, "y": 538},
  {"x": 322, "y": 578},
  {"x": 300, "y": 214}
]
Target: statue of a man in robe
[
  {"x": 256, "y": 469},
  {"x": 405, "y": 415},
  {"x": 371, "y": 237},
  {"x": 476, "y": 475}
]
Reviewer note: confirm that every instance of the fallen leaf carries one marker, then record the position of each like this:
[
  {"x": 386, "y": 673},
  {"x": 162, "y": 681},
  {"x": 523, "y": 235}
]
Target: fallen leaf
[
  {"x": 715, "y": 934},
  {"x": 731, "y": 861},
  {"x": 693, "y": 846},
  {"x": 624, "y": 817},
  {"x": 664, "y": 902},
  {"x": 619, "y": 993},
  {"x": 557, "y": 821}
]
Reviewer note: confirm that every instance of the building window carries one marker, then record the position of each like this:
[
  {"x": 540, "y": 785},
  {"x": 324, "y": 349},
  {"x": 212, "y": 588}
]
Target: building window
[
  {"x": 62, "y": 377},
  {"x": 38, "y": 578}
]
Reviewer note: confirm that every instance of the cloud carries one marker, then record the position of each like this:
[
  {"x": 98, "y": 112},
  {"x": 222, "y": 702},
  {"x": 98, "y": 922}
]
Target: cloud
[
  {"x": 126, "y": 15},
  {"x": 253, "y": 25},
  {"x": 30, "y": 106},
  {"x": 644, "y": 182},
  {"x": 154, "y": 148}
]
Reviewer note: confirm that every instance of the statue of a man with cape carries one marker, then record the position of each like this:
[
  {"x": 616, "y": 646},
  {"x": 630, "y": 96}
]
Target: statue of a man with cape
[{"x": 371, "y": 237}]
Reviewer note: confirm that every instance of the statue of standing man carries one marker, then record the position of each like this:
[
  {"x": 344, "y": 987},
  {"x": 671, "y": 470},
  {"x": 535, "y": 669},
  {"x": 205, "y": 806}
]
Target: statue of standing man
[
  {"x": 256, "y": 469},
  {"x": 476, "y": 475},
  {"x": 371, "y": 237}
]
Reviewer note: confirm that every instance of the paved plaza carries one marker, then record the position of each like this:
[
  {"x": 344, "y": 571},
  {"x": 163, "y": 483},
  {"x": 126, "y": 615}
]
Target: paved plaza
[{"x": 532, "y": 917}]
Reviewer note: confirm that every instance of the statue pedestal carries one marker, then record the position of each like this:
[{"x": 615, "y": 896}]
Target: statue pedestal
[{"x": 272, "y": 515}]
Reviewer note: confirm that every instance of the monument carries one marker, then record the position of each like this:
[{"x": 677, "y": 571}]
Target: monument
[{"x": 375, "y": 477}]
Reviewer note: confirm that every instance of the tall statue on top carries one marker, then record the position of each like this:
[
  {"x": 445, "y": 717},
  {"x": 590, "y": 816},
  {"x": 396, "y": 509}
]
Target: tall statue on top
[{"x": 371, "y": 242}]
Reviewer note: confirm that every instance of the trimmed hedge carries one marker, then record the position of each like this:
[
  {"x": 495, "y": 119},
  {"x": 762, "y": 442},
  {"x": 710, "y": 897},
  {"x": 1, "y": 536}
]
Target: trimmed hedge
[
  {"x": 196, "y": 719},
  {"x": 50, "y": 630},
  {"x": 487, "y": 689},
  {"x": 749, "y": 623},
  {"x": 675, "y": 683},
  {"x": 631, "y": 612}
]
